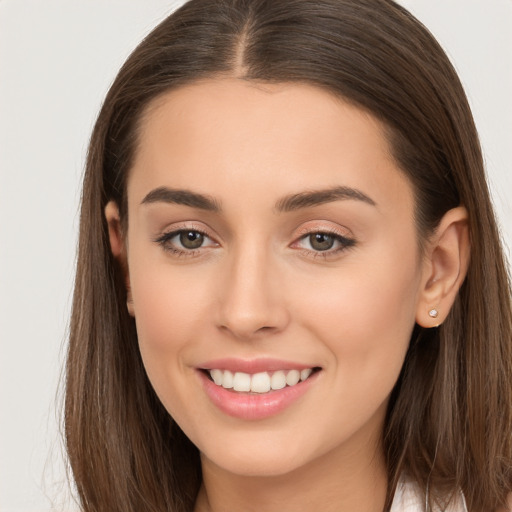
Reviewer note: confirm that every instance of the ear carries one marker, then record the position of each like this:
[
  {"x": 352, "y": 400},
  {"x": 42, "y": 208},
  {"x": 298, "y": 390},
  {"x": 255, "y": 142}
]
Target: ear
[
  {"x": 445, "y": 266},
  {"x": 118, "y": 247}
]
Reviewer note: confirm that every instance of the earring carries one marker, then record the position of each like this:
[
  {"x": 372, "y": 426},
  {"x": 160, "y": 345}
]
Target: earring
[{"x": 433, "y": 313}]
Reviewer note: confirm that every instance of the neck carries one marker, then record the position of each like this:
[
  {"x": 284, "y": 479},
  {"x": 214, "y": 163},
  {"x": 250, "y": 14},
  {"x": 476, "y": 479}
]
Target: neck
[{"x": 334, "y": 482}]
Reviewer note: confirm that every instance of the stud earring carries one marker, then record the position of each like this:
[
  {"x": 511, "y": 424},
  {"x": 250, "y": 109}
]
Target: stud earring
[{"x": 433, "y": 313}]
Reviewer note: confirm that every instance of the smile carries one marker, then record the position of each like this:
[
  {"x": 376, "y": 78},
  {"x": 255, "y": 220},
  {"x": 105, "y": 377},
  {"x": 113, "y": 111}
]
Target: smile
[
  {"x": 256, "y": 390},
  {"x": 262, "y": 382}
]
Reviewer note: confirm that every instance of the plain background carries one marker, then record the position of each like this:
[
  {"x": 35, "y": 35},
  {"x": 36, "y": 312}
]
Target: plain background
[{"x": 57, "y": 59}]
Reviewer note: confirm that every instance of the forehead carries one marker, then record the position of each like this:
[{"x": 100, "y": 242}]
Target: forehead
[{"x": 229, "y": 136}]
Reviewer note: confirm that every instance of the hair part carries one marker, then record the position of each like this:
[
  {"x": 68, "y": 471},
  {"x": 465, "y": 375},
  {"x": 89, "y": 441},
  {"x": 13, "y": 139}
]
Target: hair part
[{"x": 450, "y": 414}]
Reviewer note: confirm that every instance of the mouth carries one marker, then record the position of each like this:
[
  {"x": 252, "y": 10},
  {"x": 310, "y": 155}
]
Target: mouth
[
  {"x": 259, "y": 389},
  {"x": 260, "y": 382}
]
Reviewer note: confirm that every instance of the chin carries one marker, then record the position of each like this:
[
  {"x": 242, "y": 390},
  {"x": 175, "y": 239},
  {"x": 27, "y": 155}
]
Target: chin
[
  {"x": 254, "y": 463},
  {"x": 258, "y": 466},
  {"x": 260, "y": 459}
]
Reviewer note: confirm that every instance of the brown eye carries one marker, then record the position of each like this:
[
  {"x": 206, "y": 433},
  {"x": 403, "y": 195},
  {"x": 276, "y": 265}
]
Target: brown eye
[
  {"x": 191, "y": 239},
  {"x": 185, "y": 242},
  {"x": 324, "y": 243},
  {"x": 321, "y": 241}
]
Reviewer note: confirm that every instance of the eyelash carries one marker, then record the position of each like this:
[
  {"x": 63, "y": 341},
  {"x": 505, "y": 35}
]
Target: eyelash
[
  {"x": 165, "y": 239},
  {"x": 344, "y": 242}
]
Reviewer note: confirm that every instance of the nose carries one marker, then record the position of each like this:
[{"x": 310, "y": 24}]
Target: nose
[{"x": 252, "y": 297}]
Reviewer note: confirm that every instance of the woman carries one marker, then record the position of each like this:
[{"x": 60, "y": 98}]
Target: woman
[{"x": 290, "y": 289}]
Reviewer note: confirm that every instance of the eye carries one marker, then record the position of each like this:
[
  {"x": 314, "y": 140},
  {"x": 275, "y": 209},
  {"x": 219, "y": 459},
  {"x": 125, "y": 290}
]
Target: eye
[
  {"x": 191, "y": 239},
  {"x": 185, "y": 241},
  {"x": 323, "y": 242}
]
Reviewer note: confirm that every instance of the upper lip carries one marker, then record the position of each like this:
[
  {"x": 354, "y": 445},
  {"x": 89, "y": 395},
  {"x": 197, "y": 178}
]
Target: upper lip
[{"x": 253, "y": 365}]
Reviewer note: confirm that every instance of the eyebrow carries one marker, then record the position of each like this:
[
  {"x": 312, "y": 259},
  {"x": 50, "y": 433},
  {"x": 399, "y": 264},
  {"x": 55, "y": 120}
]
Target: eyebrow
[
  {"x": 183, "y": 197},
  {"x": 286, "y": 204},
  {"x": 318, "y": 197}
]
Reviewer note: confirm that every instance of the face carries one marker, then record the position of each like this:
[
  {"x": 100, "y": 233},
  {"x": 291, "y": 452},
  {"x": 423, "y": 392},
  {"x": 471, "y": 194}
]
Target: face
[{"x": 271, "y": 247}]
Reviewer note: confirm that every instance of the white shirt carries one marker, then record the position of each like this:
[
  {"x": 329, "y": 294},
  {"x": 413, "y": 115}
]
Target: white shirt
[{"x": 408, "y": 498}]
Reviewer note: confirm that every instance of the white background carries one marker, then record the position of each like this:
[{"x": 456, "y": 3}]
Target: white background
[{"x": 57, "y": 59}]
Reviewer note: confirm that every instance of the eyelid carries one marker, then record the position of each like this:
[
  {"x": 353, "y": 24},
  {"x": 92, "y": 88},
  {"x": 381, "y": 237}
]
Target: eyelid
[
  {"x": 344, "y": 237},
  {"x": 200, "y": 227},
  {"x": 166, "y": 235},
  {"x": 324, "y": 226}
]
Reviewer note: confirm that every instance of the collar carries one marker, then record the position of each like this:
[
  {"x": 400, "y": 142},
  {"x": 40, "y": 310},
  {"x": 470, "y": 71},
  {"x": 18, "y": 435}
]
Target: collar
[{"x": 409, "y": 498}]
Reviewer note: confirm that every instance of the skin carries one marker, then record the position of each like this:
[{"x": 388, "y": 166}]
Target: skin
[{"x": 257, "y": 287}]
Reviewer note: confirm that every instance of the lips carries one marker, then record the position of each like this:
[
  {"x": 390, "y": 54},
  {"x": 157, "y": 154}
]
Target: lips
[
  {"x": 254, "y": 365},
  {"x": 256, "y": 389}
]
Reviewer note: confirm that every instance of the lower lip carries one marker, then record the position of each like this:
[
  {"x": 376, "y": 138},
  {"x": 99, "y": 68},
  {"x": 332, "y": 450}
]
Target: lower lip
[{"x": 254, "y": 406}]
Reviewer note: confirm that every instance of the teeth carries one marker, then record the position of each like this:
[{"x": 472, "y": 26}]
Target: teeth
[
  {"x": 292, "y": 377},
  {"x": 242, "y": 382},
  {"x": 217, "y": 377},
  {"x": 261, "y": 382},
  {"x": 304, "y": 374},
  {"x": 278, "y": 380},
  {"x": 227, "y": 380}
]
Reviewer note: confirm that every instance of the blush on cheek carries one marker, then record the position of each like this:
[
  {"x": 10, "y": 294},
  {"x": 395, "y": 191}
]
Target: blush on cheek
[
  {"x": 162, "y": 315},
  {"x": 364, "y": 314}
]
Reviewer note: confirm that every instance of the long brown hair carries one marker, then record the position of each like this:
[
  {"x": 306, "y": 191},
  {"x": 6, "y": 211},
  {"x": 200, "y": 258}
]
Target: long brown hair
[{"x": 449, "y": 419}]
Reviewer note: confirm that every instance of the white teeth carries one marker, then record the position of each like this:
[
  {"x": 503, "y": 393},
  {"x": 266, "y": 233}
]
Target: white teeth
[
  {"x": 278, "y": 380},
  {"x": 217, "y": 377},
  {"x": 304, "y": 374},
  {"x": 261, "y": 382},
  {"x": 242, "y": 382},
  {"x": 292, "y": 377},
  {"x": 227, "y": 380}
]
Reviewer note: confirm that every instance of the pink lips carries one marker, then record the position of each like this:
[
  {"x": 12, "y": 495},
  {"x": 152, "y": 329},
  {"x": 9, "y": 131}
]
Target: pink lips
[
  {"x": 253, "y": 366},
  {"x": 253, "y": 406}
]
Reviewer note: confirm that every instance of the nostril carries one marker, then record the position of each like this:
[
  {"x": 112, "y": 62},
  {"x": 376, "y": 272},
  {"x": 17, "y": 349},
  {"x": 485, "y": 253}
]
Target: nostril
[
  {"x": 243, "y": 329},
  {"x": 265, "y": 329}
]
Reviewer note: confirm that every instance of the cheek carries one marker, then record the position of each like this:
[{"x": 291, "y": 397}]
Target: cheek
[
  {"x": 163, "y": 312},
  {"x": 169, "y": 299},
  {"x": 170, "y": 314},
  {"x": 365, "y": 314}
]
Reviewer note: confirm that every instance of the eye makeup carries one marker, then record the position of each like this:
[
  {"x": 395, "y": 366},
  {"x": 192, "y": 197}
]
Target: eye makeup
[{"x": 190, "y": 241}]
